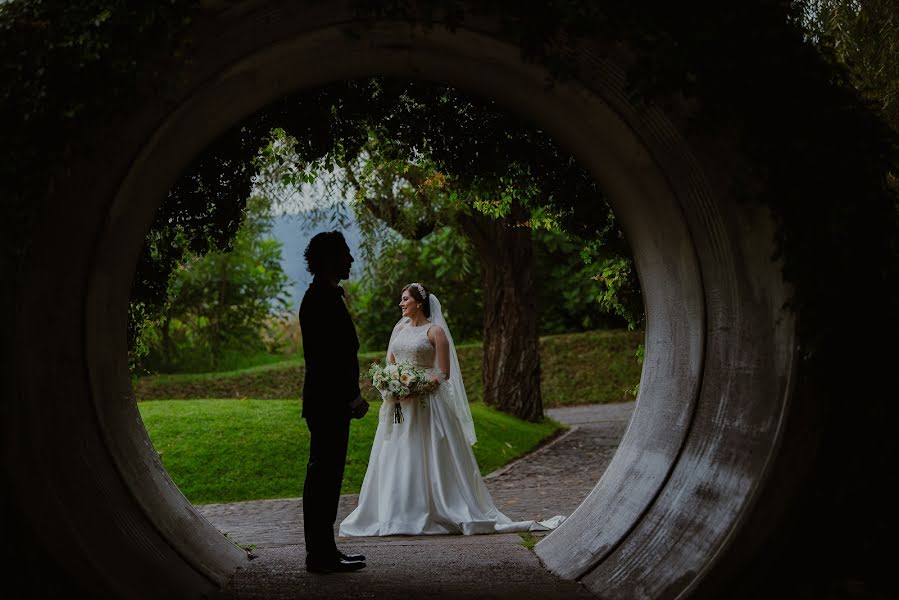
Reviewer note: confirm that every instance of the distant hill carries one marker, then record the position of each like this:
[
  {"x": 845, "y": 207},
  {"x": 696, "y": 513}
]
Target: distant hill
[{"x": 289, "y": 231}]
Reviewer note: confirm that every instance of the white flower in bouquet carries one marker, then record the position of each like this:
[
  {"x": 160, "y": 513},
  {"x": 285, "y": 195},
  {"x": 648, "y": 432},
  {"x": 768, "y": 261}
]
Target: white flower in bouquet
[{"x": 401, "y": 380}]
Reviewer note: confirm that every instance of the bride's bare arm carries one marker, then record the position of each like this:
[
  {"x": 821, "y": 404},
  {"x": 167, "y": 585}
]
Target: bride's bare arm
[
  {"x": 437, "y": 337},
  {"x": 391, "y": 358}
]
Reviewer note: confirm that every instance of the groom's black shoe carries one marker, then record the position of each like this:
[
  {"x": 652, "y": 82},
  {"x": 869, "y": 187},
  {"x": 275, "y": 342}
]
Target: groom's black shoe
[
  {"x": 335, "y": 565},
  {"x": 351, "y": 557}
]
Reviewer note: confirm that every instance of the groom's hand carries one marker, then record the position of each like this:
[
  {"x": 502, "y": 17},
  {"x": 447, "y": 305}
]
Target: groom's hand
[
  {"x": 358, "y": 407},
  {"x": 360, "y": 410}
]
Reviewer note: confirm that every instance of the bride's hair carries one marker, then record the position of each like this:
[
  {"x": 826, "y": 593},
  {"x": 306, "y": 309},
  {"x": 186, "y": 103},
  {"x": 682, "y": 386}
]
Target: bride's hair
[{"x": 419, "y": 292}]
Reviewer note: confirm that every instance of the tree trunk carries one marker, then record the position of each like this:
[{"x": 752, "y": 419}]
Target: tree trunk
[
  {"x": 511, "y": 367},
  {"x": 511, "y": 347}
]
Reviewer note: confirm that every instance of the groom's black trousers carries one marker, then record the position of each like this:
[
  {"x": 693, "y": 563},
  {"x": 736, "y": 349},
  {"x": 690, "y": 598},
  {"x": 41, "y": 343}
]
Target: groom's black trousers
[{"x": 329, "y": 436}]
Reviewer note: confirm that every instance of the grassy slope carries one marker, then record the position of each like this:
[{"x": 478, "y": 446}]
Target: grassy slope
[
  {"x": 232, "y": 450},
  {"x": 577, "y": 368}
]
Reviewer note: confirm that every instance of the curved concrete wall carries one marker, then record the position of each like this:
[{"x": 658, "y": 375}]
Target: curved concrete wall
[{"x": 670, "y": 514}]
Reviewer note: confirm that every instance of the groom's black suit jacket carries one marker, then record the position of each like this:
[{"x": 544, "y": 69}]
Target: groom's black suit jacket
[{"x": 330, "y": 346}]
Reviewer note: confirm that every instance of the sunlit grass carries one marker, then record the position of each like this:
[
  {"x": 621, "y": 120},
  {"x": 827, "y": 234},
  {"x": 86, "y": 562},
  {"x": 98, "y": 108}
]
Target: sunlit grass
[{"x": 232, "y": 450}]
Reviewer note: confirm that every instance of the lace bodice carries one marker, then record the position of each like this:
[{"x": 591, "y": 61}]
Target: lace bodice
[{"x": 411, "y": 345}]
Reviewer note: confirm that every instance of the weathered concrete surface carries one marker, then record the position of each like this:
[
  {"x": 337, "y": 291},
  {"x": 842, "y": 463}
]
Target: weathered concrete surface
[
  {"x": 552, "y": 480},
  {"x": 704, "y": 474}
]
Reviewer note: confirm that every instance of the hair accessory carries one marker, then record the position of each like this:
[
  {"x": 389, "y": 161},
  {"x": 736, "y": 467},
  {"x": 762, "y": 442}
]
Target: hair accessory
[{"x": 420, "y": 288}]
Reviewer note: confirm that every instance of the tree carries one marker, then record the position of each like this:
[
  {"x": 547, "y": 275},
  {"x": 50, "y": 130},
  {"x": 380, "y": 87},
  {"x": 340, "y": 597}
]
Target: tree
[
  {"x": 568, "y": 292},
  {"x": 511, "y": 365},
  {"x": 419, "y": 168},
  {"x": 442, "y": 260},
  {"x": 501, "y": 178},
  {"x": 863, "y": 37},
  {"x": 504, "y": 176},
  {"x": 503, "y": 245},
  {"x": 574, "y": 279},
  {"x": 218, "y": 301}
]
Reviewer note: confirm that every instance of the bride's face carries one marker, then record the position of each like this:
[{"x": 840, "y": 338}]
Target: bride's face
[{"x": 409, "y": 305}]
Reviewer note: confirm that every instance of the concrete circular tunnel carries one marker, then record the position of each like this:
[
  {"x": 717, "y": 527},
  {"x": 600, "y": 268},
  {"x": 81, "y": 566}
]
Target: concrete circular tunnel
[{"x": 694, "y": 487}]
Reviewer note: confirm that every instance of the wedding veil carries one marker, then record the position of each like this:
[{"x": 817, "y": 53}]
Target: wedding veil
[
  {"x": 456, "y": 395},
  {"x": 453, "y": 390}
]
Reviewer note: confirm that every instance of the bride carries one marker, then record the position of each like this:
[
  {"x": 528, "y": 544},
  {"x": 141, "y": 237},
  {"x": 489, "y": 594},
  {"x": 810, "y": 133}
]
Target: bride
[{"x": 422, "y": 475}]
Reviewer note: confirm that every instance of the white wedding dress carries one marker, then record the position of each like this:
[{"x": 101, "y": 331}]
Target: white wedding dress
[{"x": 422, "y": 475}]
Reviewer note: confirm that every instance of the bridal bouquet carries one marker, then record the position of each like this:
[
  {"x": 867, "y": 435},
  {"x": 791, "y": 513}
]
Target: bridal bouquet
[{"x": 400, "y": 380}]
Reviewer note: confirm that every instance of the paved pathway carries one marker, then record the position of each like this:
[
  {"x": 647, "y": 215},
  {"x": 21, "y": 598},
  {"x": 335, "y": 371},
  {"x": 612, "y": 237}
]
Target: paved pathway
[{"x": 553, "y": 480}]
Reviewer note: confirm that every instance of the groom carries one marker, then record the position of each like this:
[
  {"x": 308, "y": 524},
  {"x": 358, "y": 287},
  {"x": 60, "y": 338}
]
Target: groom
[{"x": 331, "y": 397}]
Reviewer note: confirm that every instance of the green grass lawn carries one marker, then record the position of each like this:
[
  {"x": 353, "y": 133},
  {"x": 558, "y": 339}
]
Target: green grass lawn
[
  {"x": 576, "y": 368},
  {"x": 231, "y": 450}
]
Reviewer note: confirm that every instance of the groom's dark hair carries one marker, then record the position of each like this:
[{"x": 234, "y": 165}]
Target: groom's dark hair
[{"x": 323, "y": 250}]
